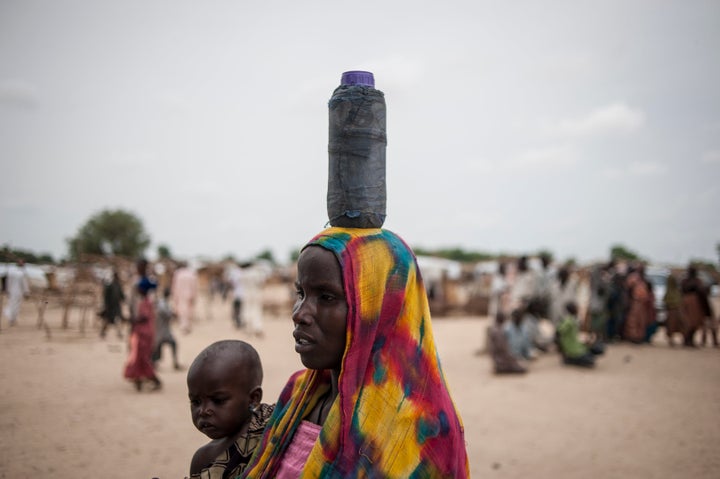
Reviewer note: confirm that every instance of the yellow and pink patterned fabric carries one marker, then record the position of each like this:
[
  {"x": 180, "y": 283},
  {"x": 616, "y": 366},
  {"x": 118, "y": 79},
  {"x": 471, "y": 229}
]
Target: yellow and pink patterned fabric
[{"x": 393, "y": 416}]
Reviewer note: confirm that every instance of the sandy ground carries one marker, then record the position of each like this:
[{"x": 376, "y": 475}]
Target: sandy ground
[{"x": 644, "y": 412}]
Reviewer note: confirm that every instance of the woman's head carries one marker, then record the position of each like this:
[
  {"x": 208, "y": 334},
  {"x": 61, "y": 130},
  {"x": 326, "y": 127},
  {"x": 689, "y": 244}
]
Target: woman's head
[{"x": 320, "y": 310}]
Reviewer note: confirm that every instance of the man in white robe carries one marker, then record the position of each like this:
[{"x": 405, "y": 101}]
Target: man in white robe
[
  {"x": 184, "y": 292},
  {"x": 18, "y": 288}
]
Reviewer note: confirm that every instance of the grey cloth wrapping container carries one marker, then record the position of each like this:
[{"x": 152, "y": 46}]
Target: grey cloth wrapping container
[{"x": 356, "y": 195}]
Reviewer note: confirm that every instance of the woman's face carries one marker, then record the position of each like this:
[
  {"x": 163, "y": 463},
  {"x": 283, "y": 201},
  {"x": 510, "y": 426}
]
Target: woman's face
[{"x": 320, "y": 310}]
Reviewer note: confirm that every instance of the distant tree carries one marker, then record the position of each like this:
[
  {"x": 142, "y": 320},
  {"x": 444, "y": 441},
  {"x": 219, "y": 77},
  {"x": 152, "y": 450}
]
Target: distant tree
[
  {"x": 10, "y": 255},
  {"x": 110, "y": 232},
  {"x": 266, "y": 255},
  {"x": 229, "y": 257},
  {"x": 544, "y": 253},
  {"x": 163, "y": 251},
  {"x": 455, "y": 254},
  {"x": 703, "y": 264},
  {"x": 620, "y": 252},
  {"x": 294, "y": 255}
]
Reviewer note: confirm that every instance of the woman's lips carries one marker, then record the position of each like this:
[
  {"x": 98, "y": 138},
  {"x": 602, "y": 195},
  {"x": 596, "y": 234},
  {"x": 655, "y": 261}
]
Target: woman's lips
[{"x": 303, "y": 342}]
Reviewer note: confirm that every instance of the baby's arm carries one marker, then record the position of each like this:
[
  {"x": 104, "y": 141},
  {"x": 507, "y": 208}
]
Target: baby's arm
[{"x": 203, "y": 457}]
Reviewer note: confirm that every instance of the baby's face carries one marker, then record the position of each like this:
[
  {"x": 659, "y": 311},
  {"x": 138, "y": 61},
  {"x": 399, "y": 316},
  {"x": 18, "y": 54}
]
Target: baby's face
[{"x": 219, "y": 399}]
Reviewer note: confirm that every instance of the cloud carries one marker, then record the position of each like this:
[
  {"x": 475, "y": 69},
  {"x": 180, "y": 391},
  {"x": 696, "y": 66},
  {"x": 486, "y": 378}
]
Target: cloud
[
  {"x": 646, "y": 168},
  {"x": 398, "y": 71},
  {"x": 615, "y": 118},
  {"x": 712, "y": 157},
  {"x": 636, "y": 168},
  {"x": 550, "y": 157},
  {"x": 18, "y": 94}
]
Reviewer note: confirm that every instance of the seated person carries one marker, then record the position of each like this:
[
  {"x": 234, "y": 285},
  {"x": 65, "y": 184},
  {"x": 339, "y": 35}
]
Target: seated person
[
  {"x": 531, "y": 326},
  {"x": 518, "y": 336},
  {"x": 574, "y": 352},
  {"x": 503, "y": 360},
  {"x": 224, "y": 386}
]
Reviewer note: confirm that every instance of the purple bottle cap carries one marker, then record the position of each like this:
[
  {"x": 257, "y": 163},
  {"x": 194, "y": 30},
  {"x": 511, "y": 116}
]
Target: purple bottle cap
[{"x": 359, "y": 78}]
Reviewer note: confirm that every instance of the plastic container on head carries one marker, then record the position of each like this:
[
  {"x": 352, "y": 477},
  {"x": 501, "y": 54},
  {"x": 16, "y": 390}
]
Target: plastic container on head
[{"x": 356, "y": 195}]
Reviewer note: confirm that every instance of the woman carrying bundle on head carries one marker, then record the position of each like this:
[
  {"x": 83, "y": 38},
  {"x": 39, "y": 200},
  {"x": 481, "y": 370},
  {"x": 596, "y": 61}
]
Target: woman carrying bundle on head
[{"x": 373, "y": 401}]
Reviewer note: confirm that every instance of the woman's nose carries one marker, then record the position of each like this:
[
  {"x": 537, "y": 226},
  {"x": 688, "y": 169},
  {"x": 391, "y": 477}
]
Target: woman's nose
[{"x": 302, "y": 311}]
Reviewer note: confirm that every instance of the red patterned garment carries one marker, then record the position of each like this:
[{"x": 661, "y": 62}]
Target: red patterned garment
[
  {"x": 393, "y": 416},
  {"x": 142, "y": 337}
]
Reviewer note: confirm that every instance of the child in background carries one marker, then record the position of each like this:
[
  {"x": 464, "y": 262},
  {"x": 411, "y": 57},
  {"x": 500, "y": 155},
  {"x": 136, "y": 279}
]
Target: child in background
[
  {"x": 573, "y": 351},
  {"x": 224, "y": 387},
  {"x": 163, "y": 333},
  {"x": 518, "y": 339},
  {"x": 138, "y": 367},
  {"x": 503, "y": 360}
]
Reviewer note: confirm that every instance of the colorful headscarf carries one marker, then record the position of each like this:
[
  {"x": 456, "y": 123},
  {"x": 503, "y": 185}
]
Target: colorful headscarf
[{"x": 393, "y": 416}]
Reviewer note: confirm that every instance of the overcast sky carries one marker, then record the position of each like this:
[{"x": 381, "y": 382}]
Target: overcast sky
[{"x": 513, "y": 126}]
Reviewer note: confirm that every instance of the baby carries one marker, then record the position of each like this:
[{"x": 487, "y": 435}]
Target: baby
[{"x": 224, "y": 387}]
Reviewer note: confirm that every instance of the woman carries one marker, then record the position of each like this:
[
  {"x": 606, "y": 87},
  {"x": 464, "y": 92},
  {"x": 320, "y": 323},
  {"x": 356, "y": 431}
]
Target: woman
[
  {"x": 673, "y": 307},
  {"x": 695, "y": 305},
  {"x": 138, "y": 366},
  {"x": 373, "y": 401},
  {"x": 641, "y": 306}
]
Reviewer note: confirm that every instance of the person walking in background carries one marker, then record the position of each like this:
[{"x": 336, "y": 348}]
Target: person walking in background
[
  {"x": 253, "y": 280},
  {"x": 143, "y": 278},
  {"x": 184, "y": 292},
  {"x": 138, "y": 367},
  {"x": 18, "y": 288},
  {"x": 672, "y": 300},
  {"x": 113, "y": 298},
  {"x": 695, "y": 306},
  {"x": 235, "y": 281},
  {"x": 163, "y": 330}
]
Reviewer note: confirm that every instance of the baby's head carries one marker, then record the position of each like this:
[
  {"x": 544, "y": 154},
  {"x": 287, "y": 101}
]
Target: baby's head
[{"x": 224, "y": 386}]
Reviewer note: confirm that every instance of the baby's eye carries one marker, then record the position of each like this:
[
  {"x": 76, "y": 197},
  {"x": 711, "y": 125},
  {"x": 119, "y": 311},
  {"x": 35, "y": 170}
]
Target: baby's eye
[
  {"x": 194, "y": 402},
  {"x": 219, "y": 401}
]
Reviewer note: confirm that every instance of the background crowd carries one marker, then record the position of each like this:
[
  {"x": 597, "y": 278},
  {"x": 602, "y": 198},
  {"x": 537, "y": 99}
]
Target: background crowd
[{"x": 576, "y": 312}]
